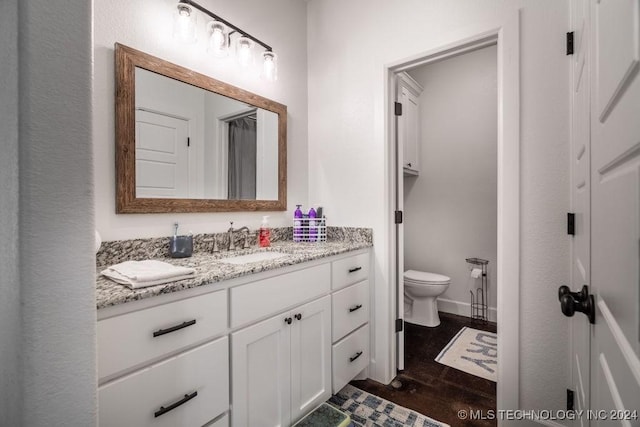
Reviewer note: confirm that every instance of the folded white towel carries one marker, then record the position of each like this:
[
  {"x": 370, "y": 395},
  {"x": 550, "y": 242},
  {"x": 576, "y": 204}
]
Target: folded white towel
[{"x": 139, "y": 274}]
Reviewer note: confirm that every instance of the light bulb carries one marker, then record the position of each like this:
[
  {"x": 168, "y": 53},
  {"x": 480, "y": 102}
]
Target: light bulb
[
  {"x": 244, "y": 46},
  {"x": 269, "y": 66},
  {"x": 184, "y": 24},
  {"x": 218, "y": 41}
]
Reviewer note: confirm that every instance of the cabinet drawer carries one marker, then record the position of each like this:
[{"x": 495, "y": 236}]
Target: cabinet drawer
[
  {"x": 259, "y": 299},
  {"x": 350, "y": 356},
  {"x": 130, "y": 339},
  {"x": 350, "y": 308},
  {"x": 199, "y": 378},
  {"x": 348, "y": 271}
]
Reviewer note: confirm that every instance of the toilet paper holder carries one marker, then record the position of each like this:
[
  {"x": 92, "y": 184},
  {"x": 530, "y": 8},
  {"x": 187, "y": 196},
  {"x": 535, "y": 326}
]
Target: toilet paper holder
[{"x": 479, "y": 300}]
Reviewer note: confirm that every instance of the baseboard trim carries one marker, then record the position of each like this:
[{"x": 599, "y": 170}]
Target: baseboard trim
[{"x": 463, "y": 308}]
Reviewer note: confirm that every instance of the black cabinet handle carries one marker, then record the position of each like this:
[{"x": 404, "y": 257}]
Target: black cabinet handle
[
  {"x": 298, "y": 316},
  {"x": 357, "y": 307},
  {"x": 358, "y": 354},
  {"x": 174, "y": 328},
  {"x": 353, "y": 270},
  {"x": 288, "y": 320},
  {"x": 185, "y": 399}
]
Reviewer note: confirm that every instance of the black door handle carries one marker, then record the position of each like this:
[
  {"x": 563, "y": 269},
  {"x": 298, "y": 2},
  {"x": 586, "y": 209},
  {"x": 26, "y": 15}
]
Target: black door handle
[
  {"x": 582, "y": 301},
  {"x": 288, "y": 320},
  {"x": 578, "y": 296}
]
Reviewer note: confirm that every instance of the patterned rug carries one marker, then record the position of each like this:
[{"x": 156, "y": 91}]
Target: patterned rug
[
  {"x": 368, "y": 410},
  {"x": 472, "y": 351}
]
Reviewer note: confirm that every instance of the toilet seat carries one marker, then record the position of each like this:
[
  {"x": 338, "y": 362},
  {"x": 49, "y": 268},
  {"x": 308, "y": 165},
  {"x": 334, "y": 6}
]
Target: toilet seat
[{"x": 425, "y": 278}]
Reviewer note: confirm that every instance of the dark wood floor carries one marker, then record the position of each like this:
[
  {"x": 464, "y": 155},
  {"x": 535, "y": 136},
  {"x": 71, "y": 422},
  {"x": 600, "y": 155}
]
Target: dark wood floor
[{"x": 430, "y": 388}]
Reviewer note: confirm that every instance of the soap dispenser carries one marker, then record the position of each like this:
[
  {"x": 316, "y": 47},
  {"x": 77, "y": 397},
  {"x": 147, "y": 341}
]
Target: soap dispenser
[{"x": 264, "y": 237}]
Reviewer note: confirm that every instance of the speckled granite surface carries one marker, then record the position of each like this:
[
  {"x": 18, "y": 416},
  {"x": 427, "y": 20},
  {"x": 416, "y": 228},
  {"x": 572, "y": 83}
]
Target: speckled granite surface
[{"x": 209, "y": 268}]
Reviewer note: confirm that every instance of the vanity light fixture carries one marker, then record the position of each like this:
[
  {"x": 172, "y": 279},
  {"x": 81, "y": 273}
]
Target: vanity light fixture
[
  {"x": 184, "y": 24},
  {"x": 269, "y": 66},
  {"x": 220, "y": 32},
  {"x": 219, "y": 39},
  {"x": 243, "y": 51}
]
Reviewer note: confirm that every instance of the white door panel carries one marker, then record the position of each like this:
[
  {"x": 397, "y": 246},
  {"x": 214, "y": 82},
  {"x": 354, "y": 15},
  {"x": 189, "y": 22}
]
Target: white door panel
[
  {"x": 615, "y": 207},
  {"x": 580, "y": 199},
  {"x": 162, "y": 157},
  {"x": 261, "y": 374},
  {"x": 617, "y": 50},
  {"x": 310, "y": 356},
  {"x": 399, "y": 228}
]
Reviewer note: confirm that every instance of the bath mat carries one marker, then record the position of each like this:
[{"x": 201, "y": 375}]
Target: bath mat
[
  {"x": 367, "y": 410},
  {"x": 474, "y": 352}
]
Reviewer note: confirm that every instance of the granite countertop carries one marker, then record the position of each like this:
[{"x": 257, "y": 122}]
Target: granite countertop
[{"x": 209, "y": 268}]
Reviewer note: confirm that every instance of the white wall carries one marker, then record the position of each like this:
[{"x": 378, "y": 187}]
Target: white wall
[
  {"x": 146, "y": 25},
  {"x": 347, "y": 144},
  {"x": 10, "y": 380},
  {"x": 451, "y": 207},
  {"x": 57, "y": 262}
]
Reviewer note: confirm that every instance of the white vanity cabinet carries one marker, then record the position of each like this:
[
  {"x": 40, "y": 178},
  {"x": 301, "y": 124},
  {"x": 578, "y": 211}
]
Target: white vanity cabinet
[
  {"x": 350, "y": 319},
  {"x": 258, "y": 351},
  {"x": 409, "y": 123},
  {"x": 282, "y": 366},
  {"x": 164, "y": 374}
]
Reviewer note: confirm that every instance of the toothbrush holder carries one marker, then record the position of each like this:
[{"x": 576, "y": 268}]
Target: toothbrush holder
[{"x": 181, "y": 246}]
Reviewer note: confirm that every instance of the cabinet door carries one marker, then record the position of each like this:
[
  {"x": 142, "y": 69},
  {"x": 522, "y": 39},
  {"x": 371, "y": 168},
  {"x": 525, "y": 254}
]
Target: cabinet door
[
  {"x": 310, "y": 356},
  {"x": 410, "y": 131},
  {"x": 261, "y": 374}
]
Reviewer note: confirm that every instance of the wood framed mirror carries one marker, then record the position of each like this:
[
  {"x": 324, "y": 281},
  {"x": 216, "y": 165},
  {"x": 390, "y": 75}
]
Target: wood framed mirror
[{"x": 186, "y": 142}]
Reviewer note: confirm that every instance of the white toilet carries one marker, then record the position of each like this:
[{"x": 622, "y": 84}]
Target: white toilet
[{"x": 421, "y": 291}]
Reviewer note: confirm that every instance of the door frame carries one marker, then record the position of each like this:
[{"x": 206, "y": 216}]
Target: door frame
[{"x": 506, "y": 35}]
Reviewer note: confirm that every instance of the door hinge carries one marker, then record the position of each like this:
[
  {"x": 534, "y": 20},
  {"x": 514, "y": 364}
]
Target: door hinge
[
  {"x": 399, "y": 325},
  {"x": 398, "y": 108},
  {"x": 398, "y": 217},
  {"x": 570, "y": 404},
  {"x": 571, "y": 224},
  {"x": 188, "y": 142},
  {"x": 570, "y": 43}
]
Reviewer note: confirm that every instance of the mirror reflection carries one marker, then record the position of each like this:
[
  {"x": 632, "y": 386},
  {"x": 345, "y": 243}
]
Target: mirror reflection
[{"x": 191, "y": 143}]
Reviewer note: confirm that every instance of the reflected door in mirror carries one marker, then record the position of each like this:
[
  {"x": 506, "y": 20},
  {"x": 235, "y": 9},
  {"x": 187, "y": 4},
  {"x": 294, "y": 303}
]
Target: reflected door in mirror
[
  {"x": 162, "y": 156},
  {"x": 195, "y": 144}
]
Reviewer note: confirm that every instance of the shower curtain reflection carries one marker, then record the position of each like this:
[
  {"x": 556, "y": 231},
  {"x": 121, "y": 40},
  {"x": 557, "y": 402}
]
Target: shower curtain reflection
[{"x": 242, "y": 158}]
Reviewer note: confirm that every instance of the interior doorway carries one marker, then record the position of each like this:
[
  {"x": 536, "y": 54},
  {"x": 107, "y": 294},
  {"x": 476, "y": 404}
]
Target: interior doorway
[{"x": 505, "y": 38}]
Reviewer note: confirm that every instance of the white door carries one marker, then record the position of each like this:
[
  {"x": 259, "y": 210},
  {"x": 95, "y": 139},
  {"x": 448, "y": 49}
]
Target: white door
[
  {"x": 310, "y": 356},
  {"x": 399, "y": 204},
  {"x": 162, "y": 156},
  {"x": 261, "y": 374},
  {"x": 580, "y": 194},
  {"x": 615, "y": 208}
]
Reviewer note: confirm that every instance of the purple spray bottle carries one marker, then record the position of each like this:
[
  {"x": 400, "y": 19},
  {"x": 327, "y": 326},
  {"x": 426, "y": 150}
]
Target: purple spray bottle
[{"x": 297, "y": 224}]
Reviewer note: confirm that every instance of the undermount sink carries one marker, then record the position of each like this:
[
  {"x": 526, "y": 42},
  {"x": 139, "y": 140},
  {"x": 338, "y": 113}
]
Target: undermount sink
[{"x": 255, "y": 257}]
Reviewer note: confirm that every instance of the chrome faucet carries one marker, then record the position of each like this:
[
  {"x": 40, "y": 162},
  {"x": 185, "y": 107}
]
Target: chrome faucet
[{"x": 232, "y": 246}]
